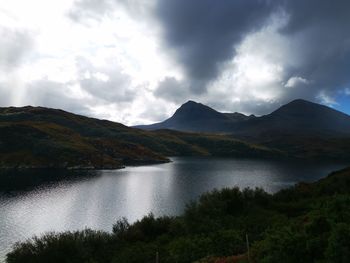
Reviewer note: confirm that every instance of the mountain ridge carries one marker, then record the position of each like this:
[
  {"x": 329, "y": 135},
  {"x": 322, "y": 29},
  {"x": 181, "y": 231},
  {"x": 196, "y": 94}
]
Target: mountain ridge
[{"x": 299, "y": 116}]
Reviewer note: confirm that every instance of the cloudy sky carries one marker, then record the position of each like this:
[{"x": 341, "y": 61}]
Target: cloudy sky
[{"x": 135, "y": 61}]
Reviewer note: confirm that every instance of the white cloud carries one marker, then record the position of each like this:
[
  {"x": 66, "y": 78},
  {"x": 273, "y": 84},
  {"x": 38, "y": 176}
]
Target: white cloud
[
  {"x": 327, "y": 99},
  {"x": 107, "y": 61},
  {"x": 251, "y": 81},
  {"x": 296, "y": 81}
]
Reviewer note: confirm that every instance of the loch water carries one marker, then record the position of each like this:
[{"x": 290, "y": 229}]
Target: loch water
[{"x": 35, "y": 202}]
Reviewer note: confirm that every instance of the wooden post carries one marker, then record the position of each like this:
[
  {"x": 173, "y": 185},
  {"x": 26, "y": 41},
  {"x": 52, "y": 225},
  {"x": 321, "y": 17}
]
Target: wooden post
[
  {"x": 157, "y": 257},
  {"x": 248, "y": 253}
]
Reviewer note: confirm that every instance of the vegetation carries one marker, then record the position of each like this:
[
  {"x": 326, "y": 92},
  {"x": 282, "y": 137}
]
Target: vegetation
[
  {"x": 305, "y": 223},
  {"x": 36, "y": 137}
]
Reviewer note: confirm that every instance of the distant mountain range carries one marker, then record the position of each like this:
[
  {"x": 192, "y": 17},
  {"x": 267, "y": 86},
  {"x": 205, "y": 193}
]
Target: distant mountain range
[
  {"x": 38, "y": 137},
  {"x": 297, "y": 117}
]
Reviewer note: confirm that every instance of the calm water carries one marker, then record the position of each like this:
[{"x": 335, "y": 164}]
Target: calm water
[{"x": 97, "y": 199}]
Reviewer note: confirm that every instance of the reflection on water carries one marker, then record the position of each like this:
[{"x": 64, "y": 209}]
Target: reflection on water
[{"x": 36, "y": 202}]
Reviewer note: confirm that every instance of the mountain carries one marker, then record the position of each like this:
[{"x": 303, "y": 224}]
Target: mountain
[
  {"x": 38, "y": 137},
  {"x": 299, "y": 129},
  {"x": 195, "y": 117},
  {"x": 299, "y": 117},
  {"x": 296, "y": 117}
]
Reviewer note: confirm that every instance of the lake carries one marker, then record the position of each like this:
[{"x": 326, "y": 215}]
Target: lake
[{"x": 35, "y": 202}]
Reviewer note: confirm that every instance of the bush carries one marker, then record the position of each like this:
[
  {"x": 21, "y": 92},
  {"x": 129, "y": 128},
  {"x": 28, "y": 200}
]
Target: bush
[
  {"x": 80, "y": 246},
  {"x": 338, "y": 250}
]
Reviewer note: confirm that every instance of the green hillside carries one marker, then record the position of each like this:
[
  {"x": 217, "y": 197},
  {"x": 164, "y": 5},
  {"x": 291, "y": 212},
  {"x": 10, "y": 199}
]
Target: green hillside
[{"x": 37, "y": 137}]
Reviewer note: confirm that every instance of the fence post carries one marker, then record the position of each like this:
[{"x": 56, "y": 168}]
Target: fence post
[{"x": 247, "y": 241}]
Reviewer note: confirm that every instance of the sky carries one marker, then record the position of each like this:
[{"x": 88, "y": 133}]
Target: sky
[{"x": 136, "y": 61}]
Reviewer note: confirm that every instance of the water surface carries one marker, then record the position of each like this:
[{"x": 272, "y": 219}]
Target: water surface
[{"x": 32, "y": 203}]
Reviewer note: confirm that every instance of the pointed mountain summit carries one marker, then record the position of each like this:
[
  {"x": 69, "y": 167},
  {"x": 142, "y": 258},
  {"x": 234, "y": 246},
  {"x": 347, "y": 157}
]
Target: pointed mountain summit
[
  {"x": 195, "y": 117},
  {"x": 193, "y": 111}
]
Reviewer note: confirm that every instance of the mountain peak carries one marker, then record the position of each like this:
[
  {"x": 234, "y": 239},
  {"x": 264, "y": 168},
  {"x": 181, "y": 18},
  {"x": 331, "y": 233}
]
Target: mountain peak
[
  {"x": 192, "y": 104},
  {"x": 189, "y": 102},
  {"x": 306, "y": 109},
  {"x": 301, "y": 102},
  {"x": 192, "y": 110},
  {"x": 194, "y": 116}
]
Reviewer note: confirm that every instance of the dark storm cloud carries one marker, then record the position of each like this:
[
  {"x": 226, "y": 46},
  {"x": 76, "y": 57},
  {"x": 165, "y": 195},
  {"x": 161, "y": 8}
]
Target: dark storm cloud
[
  {"x": 203, "y": 32},
  {"x": 321, "y": 31},
  {"x": 319, "y": 13}
]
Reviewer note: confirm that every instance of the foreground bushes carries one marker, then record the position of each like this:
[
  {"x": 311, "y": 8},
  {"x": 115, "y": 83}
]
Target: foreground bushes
[
  {"x": 81, "y": 246},
  {"x": 307, "y": 223}
]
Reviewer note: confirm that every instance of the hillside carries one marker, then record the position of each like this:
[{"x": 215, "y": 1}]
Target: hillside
[
  {"x": 309, "y": 222},
  {"x": 37, "y": 137}
]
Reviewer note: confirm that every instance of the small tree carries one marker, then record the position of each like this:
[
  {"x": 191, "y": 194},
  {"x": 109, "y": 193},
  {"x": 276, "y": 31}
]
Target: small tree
[{"x": 121, "y": 227}]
